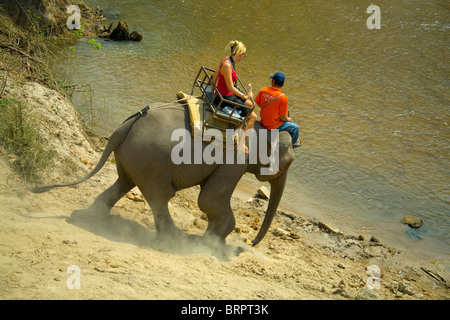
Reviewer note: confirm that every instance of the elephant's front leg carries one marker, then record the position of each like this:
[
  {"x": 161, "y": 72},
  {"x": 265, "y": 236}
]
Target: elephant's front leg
[{"x": 214, "y": 199}]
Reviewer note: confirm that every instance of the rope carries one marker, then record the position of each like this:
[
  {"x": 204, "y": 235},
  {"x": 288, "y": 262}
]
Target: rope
[{"x": 143, "y": 111}]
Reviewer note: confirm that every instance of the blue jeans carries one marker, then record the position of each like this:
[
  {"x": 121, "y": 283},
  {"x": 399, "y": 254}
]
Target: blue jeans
[{"x": 292, "y": 128}]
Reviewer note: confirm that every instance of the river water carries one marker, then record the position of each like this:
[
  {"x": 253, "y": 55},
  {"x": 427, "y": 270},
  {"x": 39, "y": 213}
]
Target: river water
[{"x": 372, "y": 104}]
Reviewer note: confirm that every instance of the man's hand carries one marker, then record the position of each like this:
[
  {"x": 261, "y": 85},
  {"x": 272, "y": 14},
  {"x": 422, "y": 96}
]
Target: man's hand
[{"x": 286, "y": 118}]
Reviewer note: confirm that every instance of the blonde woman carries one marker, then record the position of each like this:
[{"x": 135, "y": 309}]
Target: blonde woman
[{"x": 225, "y": 78}]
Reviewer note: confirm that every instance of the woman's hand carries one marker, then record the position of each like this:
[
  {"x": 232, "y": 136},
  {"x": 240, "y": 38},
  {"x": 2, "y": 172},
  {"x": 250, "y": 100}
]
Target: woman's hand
[{"x": 248, "y": 96}]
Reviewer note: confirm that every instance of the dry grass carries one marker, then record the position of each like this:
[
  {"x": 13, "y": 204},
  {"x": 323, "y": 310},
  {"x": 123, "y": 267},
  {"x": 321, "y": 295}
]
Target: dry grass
[{"x": 24, "y": 55}]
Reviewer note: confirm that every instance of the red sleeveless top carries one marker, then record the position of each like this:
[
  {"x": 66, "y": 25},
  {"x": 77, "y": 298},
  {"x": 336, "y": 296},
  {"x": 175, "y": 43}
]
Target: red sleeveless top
[{"x": 222, "y": 85}]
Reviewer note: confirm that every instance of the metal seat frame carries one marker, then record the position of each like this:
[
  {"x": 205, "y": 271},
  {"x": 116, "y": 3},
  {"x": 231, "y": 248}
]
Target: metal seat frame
[{"x": 209, "y": 93}]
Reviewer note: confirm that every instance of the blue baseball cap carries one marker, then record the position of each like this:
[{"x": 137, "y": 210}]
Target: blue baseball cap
[{"x": 279, "y": 77}]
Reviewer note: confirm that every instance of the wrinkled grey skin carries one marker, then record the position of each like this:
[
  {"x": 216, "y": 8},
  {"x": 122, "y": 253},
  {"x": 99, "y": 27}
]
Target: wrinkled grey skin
[{"x": 143, "y": 159}]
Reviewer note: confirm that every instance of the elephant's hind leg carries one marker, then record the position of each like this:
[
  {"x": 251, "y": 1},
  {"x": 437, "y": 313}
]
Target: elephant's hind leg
[
  {"x": 108, "y": 198},
  {"x": 101, "y": 207}
]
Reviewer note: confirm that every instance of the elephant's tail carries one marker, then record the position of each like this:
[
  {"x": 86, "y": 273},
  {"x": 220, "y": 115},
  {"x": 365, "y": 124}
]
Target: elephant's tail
[{"x": 114, "y": 142}]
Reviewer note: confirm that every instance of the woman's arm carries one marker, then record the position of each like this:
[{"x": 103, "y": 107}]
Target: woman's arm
[
  {"x": 215, "y": 77},
  {"x": 227, "y": 74}
]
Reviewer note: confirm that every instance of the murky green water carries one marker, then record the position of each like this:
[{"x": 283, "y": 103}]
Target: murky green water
[{"x": 373, "y": 105}]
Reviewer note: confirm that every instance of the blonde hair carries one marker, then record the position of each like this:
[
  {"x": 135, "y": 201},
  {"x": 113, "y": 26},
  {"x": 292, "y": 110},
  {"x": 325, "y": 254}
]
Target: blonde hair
[{"x": 236, "y": 48}]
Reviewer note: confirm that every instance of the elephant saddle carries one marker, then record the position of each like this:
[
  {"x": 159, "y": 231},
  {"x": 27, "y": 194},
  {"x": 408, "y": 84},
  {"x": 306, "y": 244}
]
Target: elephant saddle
[{"x": 202, "y": 118}]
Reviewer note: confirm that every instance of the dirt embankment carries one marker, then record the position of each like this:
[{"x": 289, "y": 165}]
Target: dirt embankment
[
  {"x": 50, "y": 16},
  {"x": 122, "y": 258}
]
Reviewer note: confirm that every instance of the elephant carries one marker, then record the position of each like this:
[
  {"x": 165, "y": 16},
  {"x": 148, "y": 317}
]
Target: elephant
[{"x": 143, "y": 147}]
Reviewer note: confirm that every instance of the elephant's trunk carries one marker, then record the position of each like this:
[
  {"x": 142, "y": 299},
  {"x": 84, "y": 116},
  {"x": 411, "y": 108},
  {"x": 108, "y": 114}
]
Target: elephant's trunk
[{"x": 276, "y": 192}]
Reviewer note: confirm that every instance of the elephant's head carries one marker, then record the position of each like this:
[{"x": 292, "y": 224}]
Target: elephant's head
[{"x": 276, "y": 177}]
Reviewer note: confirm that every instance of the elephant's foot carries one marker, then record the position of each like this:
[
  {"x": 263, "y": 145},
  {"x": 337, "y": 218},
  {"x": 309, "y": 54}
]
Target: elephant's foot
[
  {"x": 170, "y": 240},
  {"x": 97, "y": 211},
  {"x": 214, "y": 238},
  {"x": 220, "y": 249},
  {"x": 219, "y": 229},
  {"x": 169, "y": 233}
]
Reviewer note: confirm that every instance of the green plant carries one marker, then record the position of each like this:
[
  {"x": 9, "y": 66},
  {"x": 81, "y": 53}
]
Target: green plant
[
  {"x": 79, "y": 32},
  {"x": 19, "y": 136},
  {"x": 97, "y": 45}
]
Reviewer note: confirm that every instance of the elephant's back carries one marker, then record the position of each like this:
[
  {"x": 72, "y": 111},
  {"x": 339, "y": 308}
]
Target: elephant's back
[
  {"x": 159, "y": 122},
  {"x": 147, "y": 149},
  {"x": 162, "y": 117},
  {"x": 149, "y": 138}
]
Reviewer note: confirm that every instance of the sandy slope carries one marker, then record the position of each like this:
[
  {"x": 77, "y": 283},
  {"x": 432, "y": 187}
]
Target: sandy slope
[{"x": 122, "y": 258}]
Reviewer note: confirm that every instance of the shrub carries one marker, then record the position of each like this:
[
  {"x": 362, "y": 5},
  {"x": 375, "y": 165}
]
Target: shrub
[{"x": 18, "y": 136}]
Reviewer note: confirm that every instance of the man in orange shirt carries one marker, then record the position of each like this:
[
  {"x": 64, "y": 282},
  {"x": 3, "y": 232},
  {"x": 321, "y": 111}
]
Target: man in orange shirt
[{"x": 274, "y": 109}]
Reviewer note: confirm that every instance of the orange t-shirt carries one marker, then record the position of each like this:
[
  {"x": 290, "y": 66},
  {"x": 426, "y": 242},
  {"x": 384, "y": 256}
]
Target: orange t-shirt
[{"x": 270, "y": 114}]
